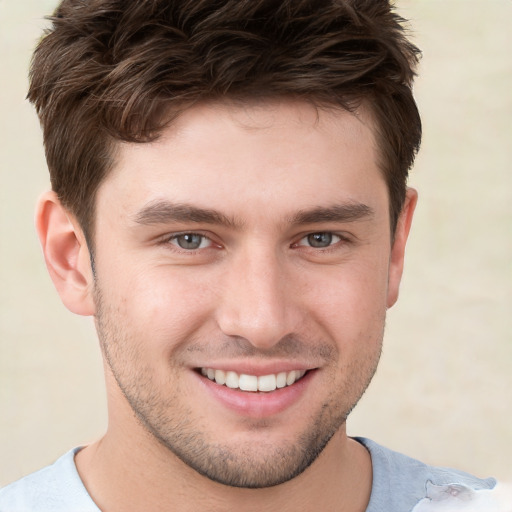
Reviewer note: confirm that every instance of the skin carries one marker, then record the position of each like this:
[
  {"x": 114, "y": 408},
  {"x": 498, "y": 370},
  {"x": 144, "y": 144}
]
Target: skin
[{"x": 258, "y": 295}]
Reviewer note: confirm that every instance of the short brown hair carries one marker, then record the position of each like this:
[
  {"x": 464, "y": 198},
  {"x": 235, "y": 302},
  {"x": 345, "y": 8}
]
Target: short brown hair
[{"x": 108, "y": 70}]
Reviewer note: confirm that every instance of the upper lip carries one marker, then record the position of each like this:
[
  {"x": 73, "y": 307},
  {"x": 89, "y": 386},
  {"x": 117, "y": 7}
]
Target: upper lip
[{"x": 248, "y": 368}]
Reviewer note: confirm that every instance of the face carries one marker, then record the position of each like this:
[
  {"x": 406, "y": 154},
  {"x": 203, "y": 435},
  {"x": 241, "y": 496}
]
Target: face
[{"x": 242, "y": 279}]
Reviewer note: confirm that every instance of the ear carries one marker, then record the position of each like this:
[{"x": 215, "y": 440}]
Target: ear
[
  {"x": 66, "y": 254},
  {"x": 396, "y": 263}
]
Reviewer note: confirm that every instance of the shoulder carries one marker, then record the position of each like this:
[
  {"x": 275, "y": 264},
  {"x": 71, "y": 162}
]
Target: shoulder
[
  {"x": 55, "y": 488},
  {"x": 401, "y": 482}
]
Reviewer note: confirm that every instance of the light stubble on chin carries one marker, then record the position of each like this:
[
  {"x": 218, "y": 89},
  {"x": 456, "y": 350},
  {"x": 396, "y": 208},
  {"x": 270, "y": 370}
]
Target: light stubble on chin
[{"x": 176, "y": 427}]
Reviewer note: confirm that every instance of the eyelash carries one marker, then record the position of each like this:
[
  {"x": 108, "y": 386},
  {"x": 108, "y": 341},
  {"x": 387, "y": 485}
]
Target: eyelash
[
  {"x": 172, "y": 240},
  {"x": 175, "y": 236},
  {"x": 331, "y": 242}
]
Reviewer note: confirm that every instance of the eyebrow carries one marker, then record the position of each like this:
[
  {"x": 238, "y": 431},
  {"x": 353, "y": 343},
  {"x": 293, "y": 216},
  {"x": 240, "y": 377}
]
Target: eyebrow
[
  {"x": 164, "y": 212},
  {"x": 349, "y": 212}
]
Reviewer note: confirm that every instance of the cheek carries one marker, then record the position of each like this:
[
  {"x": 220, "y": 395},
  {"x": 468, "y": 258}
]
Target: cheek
[
  {"x": 163, "y": 304},
  {"x": 350, "y": 297}
]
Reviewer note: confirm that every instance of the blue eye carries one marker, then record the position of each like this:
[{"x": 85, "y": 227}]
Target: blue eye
[
  {"x": 190, "y": 241},
  {"x": 320, "y": 240}
]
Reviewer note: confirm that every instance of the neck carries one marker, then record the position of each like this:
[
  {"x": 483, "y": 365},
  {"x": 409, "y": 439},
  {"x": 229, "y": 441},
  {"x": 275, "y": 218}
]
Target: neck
[{"x": 134, "y": 477}]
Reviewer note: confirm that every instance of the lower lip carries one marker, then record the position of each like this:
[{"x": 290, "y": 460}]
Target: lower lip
[{"x": 258, "y": 404}]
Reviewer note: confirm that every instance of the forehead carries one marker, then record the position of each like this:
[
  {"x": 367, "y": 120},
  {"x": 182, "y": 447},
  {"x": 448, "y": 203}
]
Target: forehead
[{"x": 229, "y": 156}]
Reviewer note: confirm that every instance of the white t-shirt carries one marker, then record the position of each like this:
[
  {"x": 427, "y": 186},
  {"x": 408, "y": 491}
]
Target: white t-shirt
[{"x": 400, "y": 484}]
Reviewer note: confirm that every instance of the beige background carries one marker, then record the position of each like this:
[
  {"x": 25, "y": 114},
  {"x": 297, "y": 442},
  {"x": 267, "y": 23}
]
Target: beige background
[{"x": 443, "y": 391}]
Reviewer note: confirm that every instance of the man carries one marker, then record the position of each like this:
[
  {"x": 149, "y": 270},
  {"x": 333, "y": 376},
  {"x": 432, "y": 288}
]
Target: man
[{"x": 229, "y": 202}]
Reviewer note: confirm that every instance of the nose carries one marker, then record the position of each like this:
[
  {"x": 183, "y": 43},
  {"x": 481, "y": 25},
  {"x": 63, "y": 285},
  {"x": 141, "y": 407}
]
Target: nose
[{"x": 257, "y": 301}]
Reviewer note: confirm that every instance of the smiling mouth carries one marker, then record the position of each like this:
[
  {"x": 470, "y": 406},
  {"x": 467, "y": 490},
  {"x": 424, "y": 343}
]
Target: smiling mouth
[{"x": 243, "y": 382}]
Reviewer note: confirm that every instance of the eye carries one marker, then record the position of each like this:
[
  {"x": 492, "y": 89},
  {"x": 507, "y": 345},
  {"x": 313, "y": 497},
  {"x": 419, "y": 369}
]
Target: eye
[
  {"x": 320, "y": 240},
  {"x": 190, "y": 241}
]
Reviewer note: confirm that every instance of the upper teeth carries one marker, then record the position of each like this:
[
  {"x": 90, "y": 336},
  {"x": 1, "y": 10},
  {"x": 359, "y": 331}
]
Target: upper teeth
[{"x": 245, "y": 382}]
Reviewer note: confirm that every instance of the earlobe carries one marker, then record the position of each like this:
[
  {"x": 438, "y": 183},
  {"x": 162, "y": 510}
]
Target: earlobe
[
  {"x": 66, "y": 254},
  {"x": 396, "y": 263}
]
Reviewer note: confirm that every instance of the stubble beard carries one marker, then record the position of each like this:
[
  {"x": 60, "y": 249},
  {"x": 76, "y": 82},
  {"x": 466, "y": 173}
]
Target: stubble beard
[{"x": 173, "y": 423}]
